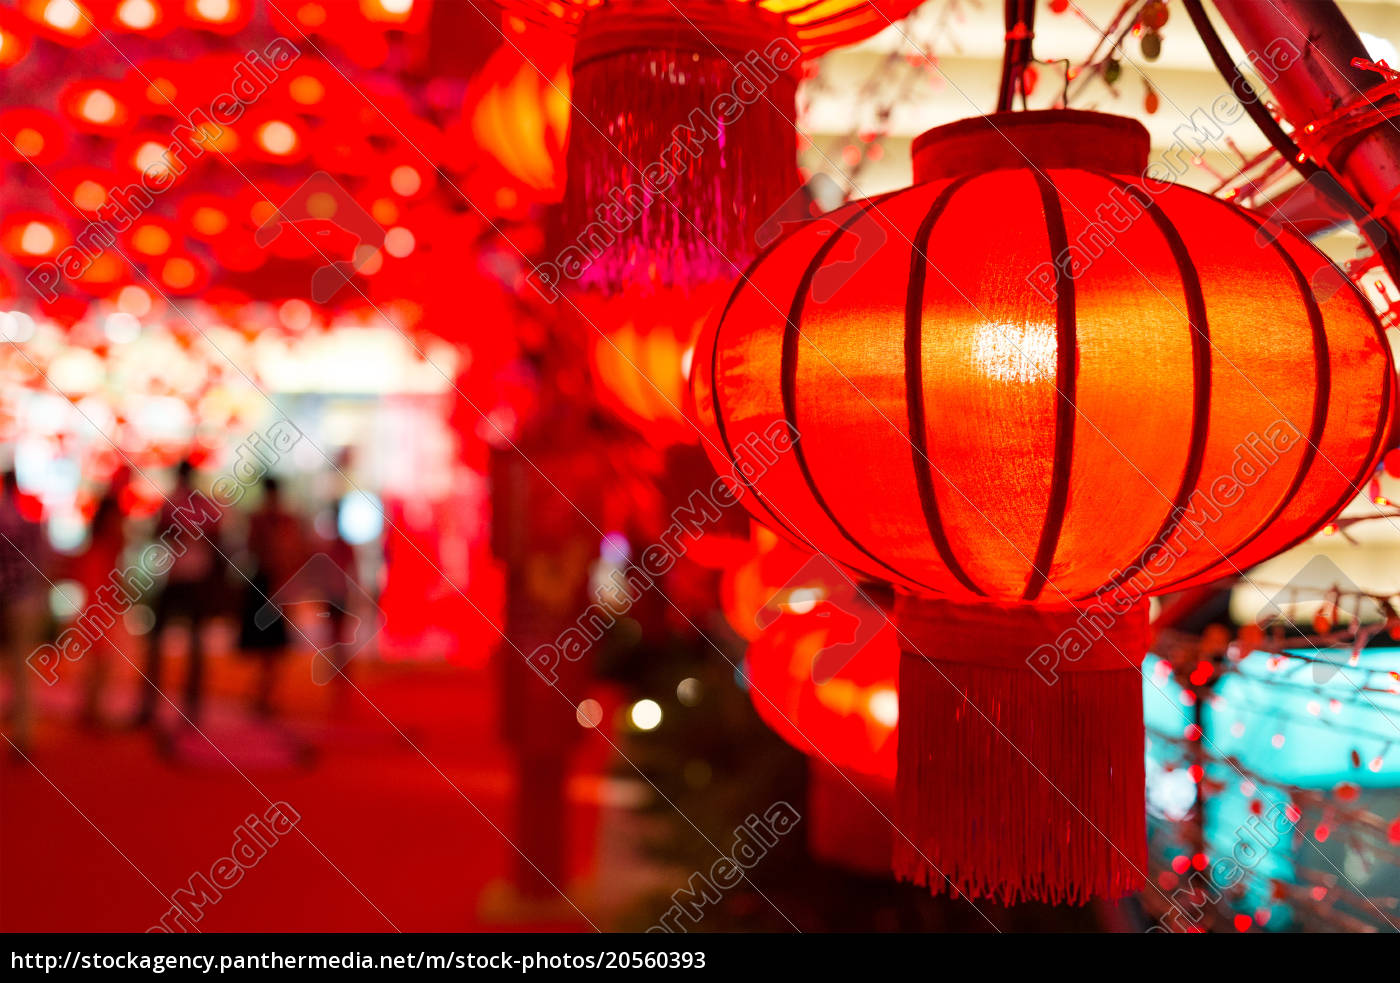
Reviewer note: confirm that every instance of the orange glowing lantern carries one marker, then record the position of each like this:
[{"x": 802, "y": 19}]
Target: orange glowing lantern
[
  {"x": 226, "y": 17},
  {"x": 827, "y": 684},
  {"x": 519, "y": 110},
  {"x": 95, "y": 105},
  {"x": 33, "y": 238},
  {"x": 640, "y": 354},
  {"x": 32, "y": 135},
  {"x": 69, "y": 22},
  {"x": 16, "y": 38},
  {"x": 1027, "y": 431}
]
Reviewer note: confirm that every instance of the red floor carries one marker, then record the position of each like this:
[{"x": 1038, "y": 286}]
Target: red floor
[{"x": 100, "y": 828}]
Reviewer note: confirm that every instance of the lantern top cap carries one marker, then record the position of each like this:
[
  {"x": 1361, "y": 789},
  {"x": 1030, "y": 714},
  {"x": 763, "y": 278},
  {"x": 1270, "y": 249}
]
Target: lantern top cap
[{"x": 1040, "y": 139}]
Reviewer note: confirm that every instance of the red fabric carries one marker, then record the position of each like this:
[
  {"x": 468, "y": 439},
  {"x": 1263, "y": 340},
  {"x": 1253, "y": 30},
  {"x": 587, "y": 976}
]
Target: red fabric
[{"x": 1018, "y": 479}]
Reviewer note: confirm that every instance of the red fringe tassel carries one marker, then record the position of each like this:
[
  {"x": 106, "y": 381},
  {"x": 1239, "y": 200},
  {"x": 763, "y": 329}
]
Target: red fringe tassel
[
  {"x": 1009, "y": 787},
  {"x": 634, "y": 103}
]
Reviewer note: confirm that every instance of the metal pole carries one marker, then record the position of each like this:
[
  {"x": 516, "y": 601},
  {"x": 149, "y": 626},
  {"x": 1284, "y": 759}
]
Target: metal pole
[{"x": 1317, "y": 80}]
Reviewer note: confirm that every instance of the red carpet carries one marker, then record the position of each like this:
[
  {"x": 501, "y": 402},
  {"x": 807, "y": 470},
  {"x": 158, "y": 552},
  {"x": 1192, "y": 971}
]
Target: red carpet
[{"x": 384, "y": 840}]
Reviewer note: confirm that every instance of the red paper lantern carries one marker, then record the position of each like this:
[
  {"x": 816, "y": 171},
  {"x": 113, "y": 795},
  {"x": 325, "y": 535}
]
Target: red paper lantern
[
  {"x": 32, "y": 135},
  {"x": 16, "y": 38},
  {"x": 226, "y": 17},
  {"x": 825, "y": 679},
  {"x": 1026, "y": 448},
  {"x": 519, "y": 111},
  {"x": 640, "y": 354},
  {"x": 69, "y": 22},
  {"x": 693, "y": 104},
  {"x": 148, "y": 18},
  {"x": 828, "y": 689},
  {"x": 96, "y": 105},
  {"x": 32, "y": 237}
]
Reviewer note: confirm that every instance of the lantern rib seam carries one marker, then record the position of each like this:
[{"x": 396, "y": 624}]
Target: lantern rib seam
[
  {"x": 1199, "y": 327},
  {"x": 914, "y": 384},
  {"x": 720, "y": 427},
  {"x": 1322, "y": 389},
  {"x": 1066, "y": 384},
  {"x": 791, "y": 332}
]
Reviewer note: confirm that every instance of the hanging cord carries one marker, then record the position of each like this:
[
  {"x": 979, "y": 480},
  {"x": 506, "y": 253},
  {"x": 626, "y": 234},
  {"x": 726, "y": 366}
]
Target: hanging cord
[
  {"x": 1381, "y": 244},
  {"x": 1020, "y": 32}
]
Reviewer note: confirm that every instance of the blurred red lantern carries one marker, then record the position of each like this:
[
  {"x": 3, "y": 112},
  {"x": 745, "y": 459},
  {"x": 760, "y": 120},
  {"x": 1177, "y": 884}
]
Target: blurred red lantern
[
  {"x": 16, "y": 37},
  {"x": 96, "y": 105},
  {"x": 276, "y": 138},
  {"x": 32, "y": 135},
  {"x": 165, "y": 84},
  {"x": 103, "y": 274},
  {"x": 519, "y": 110},
  {"x": 155, "y": 160},
  {"x": 726, "y": 74},
  {"x": 181, "y": 274},
  {"x": 69, "y": 22},
  {"x": 316, "y": 89},
  {"x": 828, "y": 685},
  {"x": 206, "y": 216},
  {"x": 754, "y": 589},
  {"x": 226, "y": 17},
  {"x": 148, "y": 18},
  {"x": 1035, "y": 443},
  {"x": 86, "y": 188},
  {"x": 152, "y": 237},
  {"x": 640, "y": 352},
  {"x": 32, "y": 237},
  {"x": 828, "y": 695}
]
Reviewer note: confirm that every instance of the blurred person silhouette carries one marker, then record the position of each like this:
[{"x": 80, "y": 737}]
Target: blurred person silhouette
[
  {"x": 277, "y": 544},
  {"x": 193, "y": 592},
  {"x": 338, "y": 594},
  {"x": 23, "y": 592},
  {"x": 92, "y": 568}
]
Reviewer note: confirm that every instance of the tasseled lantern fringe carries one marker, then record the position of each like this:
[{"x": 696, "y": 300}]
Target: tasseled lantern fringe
[
  {"x": 976, "y": 817},
  {"x": 642, "y": 95}
]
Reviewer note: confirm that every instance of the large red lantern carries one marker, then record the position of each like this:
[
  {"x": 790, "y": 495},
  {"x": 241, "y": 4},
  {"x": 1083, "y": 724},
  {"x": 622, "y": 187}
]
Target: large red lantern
[
  {"x": 1028, "y": 392},
  {"x": 692, "y": 103}
]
